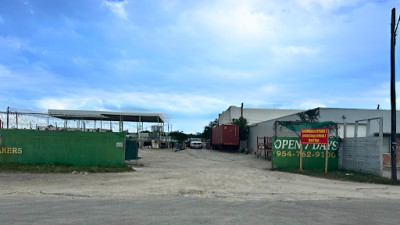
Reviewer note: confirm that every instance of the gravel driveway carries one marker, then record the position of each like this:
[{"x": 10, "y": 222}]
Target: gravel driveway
[{"x": 200, "y": 174}]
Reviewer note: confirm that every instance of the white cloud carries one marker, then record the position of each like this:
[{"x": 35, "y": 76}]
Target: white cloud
[
  {"x": 295, "y": 50},
  {"x": 224, "y": 73},
  {"x": 4, "y": 72},
  {"x": 12, "y": 43},
  {"x": 33, "y": 79},
  {"x": 187, "y": 104},
  {"x": 327, "y": 4},
  {"x": 126, "y": 65},
  {"x": 267, "y": 89},
  {"x": 230, "y": 21},
  {"x": 168, "y": 5},
  {"x": 117, "y": 8},
  {"x": 237, "y": 27}
]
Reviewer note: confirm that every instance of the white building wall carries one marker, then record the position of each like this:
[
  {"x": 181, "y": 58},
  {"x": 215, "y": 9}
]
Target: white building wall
[
  {"x": 341, "y": 116},
  {"x": 253, "y": 115}
]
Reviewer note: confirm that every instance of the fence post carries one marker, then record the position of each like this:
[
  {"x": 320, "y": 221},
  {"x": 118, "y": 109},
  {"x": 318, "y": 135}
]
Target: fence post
[
  {"x": 265, "y": 147},
  {"x": 343, "y": 147},
  {"x": 355, "y": 129}
]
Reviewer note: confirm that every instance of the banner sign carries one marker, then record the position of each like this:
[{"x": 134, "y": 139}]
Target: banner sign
[
  {"x": 286, "y": 153},
  {"x": 314, "y": 136}
]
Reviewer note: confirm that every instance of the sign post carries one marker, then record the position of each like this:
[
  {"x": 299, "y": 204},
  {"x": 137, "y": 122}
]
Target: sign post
[
  {"x": 314, "y": 136},
  {"x": 326, "y": 158},
  {"x": 301, "y": 157}
]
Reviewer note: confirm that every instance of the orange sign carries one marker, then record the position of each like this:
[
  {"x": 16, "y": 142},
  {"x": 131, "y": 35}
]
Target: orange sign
[{"x": 314, "y": 136}]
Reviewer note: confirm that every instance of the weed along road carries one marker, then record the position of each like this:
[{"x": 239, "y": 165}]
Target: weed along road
[{"x": 193, "y": 187}]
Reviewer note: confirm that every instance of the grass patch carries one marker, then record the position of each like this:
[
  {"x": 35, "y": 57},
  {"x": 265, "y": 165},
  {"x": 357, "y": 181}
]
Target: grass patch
[
  {"x": 59, "y": 168},
  {"x": 343, "y": 175}
]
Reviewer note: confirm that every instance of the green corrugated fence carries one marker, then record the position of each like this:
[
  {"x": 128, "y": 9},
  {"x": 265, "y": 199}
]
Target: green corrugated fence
[{"x": 63, "y": 147}]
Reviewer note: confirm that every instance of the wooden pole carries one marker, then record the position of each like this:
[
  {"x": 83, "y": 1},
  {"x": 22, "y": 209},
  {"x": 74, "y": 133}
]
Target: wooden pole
[{"x": 301, "y": 157}]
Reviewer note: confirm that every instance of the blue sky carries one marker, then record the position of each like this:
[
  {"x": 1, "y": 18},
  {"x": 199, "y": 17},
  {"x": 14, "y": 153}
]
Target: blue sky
[{"x": 193, "y": 59}]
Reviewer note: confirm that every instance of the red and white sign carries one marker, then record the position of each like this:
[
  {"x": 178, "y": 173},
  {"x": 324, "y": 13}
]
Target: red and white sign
[{"x": 314, "y": 136}]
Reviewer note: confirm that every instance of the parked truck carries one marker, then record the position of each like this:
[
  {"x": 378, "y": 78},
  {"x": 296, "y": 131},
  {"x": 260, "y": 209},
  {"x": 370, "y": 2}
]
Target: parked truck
[{"x": 225, "y": 137}]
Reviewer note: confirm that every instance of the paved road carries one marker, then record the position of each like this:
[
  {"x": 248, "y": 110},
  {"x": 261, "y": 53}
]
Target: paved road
[
  {"x": 187, "y": 211},
  {"x": 193, "y": 187}
]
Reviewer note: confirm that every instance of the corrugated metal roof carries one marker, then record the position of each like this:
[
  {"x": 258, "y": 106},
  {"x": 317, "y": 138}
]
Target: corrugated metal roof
[{"x": 107, "y": 115}]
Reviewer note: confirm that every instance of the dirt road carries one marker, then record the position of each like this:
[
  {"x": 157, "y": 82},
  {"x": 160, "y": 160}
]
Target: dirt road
[{"x": 192, "y": 173}]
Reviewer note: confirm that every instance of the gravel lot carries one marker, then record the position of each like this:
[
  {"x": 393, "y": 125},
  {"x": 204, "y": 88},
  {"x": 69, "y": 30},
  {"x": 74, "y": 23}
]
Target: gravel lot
[
  {"x": 193, "y": 187},
  {"x": 199, "y": 174}
]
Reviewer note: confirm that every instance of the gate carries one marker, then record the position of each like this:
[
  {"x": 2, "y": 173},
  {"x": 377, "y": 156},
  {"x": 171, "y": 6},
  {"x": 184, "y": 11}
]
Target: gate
[{"x": 363, "y": 154}]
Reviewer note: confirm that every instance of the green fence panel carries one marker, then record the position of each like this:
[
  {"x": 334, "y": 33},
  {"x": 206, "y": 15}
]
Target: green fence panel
[
  {"x": 131, "y": 149},
  {"x": 63, "y": 147},
  {"x": 286, "y": 154}
]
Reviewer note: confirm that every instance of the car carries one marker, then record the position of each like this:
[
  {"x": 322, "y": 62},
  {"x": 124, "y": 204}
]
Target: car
[{"x": 196, "y": 144}]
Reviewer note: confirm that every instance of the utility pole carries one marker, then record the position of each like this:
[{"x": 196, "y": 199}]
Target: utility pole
[{"x": 393, "y": 95}]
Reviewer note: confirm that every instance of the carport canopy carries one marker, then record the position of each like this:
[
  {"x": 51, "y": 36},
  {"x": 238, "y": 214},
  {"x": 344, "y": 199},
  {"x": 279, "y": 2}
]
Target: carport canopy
[{"x": 106, "y": 116}]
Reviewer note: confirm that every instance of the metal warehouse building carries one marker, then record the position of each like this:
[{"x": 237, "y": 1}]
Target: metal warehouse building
[
  {"x": 253, "y": 115},
  {"x": 367, "y": 123}
]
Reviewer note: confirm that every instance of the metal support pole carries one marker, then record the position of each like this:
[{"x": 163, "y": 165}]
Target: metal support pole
[
  {"x": 356, "y": 129},
  {"x": 368, "y": 130},
  {"x": 265, "y": 147},
  {"x": 393, "y": 96},
  {"x": 343, "y": 153},
  {"x": 159, "y": 132},
  {"x": 140, "y": 130},
  {"x": 121, "y": 126},
  {"x": 8, "y": 117}
]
